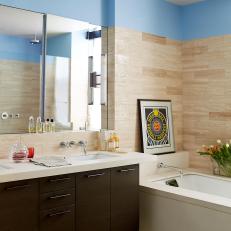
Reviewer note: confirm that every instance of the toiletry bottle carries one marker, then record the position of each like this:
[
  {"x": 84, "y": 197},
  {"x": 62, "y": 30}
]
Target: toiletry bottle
[
  {"x": 39, "y": 125},
  {"x": 117, "y": 141},
  {"x": 52, "y": 125},
  {"x": 111, "y": 144},
  {"x": 47, "y": 125},
  {"x": 103, "y": 140},
  {"x": 43, "y": 126},
  {"x": 31, "y": 125}
]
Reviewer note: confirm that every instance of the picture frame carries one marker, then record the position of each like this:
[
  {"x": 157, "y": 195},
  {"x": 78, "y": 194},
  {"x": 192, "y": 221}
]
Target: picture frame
[{"x": 156, "y": 126}]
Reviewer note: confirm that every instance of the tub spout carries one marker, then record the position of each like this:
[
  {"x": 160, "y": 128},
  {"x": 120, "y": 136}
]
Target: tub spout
[{"x": 162, "y": 165}]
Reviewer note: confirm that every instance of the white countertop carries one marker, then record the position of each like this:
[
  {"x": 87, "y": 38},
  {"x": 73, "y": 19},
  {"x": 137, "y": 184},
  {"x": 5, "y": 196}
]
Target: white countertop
[{"x": 27, "y": 170}]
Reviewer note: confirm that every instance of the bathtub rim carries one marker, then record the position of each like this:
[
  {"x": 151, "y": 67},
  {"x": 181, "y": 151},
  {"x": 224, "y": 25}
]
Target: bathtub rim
[{"x": 210, "y": 201}]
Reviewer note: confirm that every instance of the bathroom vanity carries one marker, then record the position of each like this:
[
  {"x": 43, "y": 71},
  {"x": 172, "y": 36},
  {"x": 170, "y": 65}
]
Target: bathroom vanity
[{"x": 99, "y": 200}]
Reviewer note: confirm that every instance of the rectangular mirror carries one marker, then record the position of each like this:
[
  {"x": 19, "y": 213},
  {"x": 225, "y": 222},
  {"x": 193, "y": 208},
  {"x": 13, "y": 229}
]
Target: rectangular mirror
[
  {"x": 20, "y": 55},
  {"x": 76, "y": 74},
  {"x": 63, "y": 79}
]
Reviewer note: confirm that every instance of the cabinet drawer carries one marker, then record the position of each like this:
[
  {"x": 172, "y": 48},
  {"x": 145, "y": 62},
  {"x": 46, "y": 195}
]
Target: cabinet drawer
[
  {"x": 59, "y": 219},
  {"x": 58, "y": 198},
  {"x": 55, "y": 183}
]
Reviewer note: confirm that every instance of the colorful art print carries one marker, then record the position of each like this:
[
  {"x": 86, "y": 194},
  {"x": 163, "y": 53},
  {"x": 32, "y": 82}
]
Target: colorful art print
[
  {"x": 157, "y": 129},
  {"x": 157, "y": 126}
]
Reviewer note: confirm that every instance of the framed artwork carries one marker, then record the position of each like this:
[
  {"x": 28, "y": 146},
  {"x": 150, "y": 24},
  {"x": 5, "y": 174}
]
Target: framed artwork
[{"x": 156, "y": 126}]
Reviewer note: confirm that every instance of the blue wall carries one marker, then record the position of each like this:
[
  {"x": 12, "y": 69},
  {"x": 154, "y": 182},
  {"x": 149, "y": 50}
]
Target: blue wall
[
  {"x": 59, "y": 45},
  {"x": 93, "y": 11},
  {"x": 152, "y": 16},
  {"x": 19, "y": 49},
  {"x": 203, "y": 19},
  {"x": 208, "y": 18}
]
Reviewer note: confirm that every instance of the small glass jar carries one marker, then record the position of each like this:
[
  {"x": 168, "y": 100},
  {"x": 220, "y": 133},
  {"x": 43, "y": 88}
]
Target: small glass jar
[{"x": 18, "y": 153}]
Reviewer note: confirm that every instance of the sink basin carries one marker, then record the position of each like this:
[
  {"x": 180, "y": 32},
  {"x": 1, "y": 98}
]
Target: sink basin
[
  {"x": 4, "y": 167},
  {"x": 98, "y": 156}
]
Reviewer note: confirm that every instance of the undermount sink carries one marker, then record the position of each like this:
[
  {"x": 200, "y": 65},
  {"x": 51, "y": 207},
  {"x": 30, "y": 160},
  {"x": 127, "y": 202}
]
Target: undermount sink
[
  {"x": 4, "y": 167},
  {"x": 98, "y": 156}
]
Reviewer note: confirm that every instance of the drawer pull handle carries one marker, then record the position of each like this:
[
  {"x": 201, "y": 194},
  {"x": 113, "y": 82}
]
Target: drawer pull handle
[
  {"x": 59, "y": 196},
  {"x": 17, "y": 187},
  {"x": 59, "y": 213},
  {"x": 95, "y": 175},
  {"x": 59, "y": 179},
  {"x": 126, "y": 170}
]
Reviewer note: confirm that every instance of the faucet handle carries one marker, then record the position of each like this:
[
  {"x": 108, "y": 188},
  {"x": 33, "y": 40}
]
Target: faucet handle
[
  {"x": 160, "y": 165},
  {"x": 63, "y": 144},
  {"x": 82, "y": 143},
  {"x": 72, "y": 143}
]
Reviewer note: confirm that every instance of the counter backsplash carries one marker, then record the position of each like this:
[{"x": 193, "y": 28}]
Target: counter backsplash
[{"x": 48, "y": 143}]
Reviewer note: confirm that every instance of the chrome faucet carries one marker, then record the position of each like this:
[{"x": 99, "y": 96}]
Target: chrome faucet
[
  {"x": 83, "y": 145},
  {"x": 67, "y": 144},
  {"x": 162, "y": 165},
  {"x": 70, "y": 144}
]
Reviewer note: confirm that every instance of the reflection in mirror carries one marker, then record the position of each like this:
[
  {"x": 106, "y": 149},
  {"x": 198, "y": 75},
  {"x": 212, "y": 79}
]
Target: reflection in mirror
[
  {"x": 20, "y": 55},
  {"x": 76, "y": 74}
]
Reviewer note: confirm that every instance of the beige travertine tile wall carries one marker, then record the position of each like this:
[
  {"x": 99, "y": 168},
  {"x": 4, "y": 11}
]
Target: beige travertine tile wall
[
  {"x": 48, "y": 143},
  {"x": 195, "y": 75},
  {"x": 206, "y": 94},
  {"x": 145, "y": 67},
  {"x": 19, "y": 93}
]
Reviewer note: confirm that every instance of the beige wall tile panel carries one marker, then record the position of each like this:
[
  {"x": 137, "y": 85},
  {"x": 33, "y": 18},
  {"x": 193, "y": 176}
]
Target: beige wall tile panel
[
  {"x": 20, "y": 93},
  {"x": 47, "y": 143},
  {"x": 147, "y": 67},
  {"x": 206, "y": 94}
]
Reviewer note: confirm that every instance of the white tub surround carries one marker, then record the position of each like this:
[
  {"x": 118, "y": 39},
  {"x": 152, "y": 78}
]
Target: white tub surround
[
  {"x": 200, "y": 203},
  {"x": 149, "y": 168},
  {"x": 10, "y": 171}
]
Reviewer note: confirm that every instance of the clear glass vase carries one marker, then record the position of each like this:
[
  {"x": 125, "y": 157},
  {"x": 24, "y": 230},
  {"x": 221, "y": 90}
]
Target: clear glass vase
[
  {"x": 215, "y": 167},
  {"x": 225, "y": 169},
  {"x": 18, "y": 153},
  {"x": 222, "y": 169}
]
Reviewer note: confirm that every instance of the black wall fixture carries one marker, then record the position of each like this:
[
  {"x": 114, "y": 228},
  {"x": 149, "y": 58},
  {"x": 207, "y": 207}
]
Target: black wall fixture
[
  {"x": 93, "y": 34},
  {"x": 95, "y": 80}
]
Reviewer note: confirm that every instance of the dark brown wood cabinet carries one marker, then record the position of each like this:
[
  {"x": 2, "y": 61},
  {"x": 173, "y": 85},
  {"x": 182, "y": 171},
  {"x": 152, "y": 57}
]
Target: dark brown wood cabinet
[
  {"x": 93, "y": 201},
  {"x": 99, "y": 200},
  {"x": 58, "y": 219},
  {"x": 57, "y": 203},
  {"x": 124, "y": 198},
  {"x": 19, "y": 202}
]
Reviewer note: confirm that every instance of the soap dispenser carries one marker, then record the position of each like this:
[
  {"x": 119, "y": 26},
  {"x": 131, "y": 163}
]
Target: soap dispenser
[
  {"x": 39, "y": 128},
  {"x": 31, "y": 125},
  {"x": 111, "y": 143},
  {"x": 52, "y": 125},
  {"x": 47, "y": 125}
]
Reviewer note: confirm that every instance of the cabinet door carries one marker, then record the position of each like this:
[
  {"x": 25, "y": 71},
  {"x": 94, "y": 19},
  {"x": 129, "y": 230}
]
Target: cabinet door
[
  {"x": 19, "y": 206},
  {"x": 125, "y": 198},
  {"x": 93, "y": 201}
]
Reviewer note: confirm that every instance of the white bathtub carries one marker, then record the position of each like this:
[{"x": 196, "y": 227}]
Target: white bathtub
[
  {"x": 200, "y": 203},
  {"x": 202, "y": 183}
]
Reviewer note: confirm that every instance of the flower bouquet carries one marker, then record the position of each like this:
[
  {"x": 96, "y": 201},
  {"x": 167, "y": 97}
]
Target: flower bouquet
[{"x": 221, "y": 155}]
